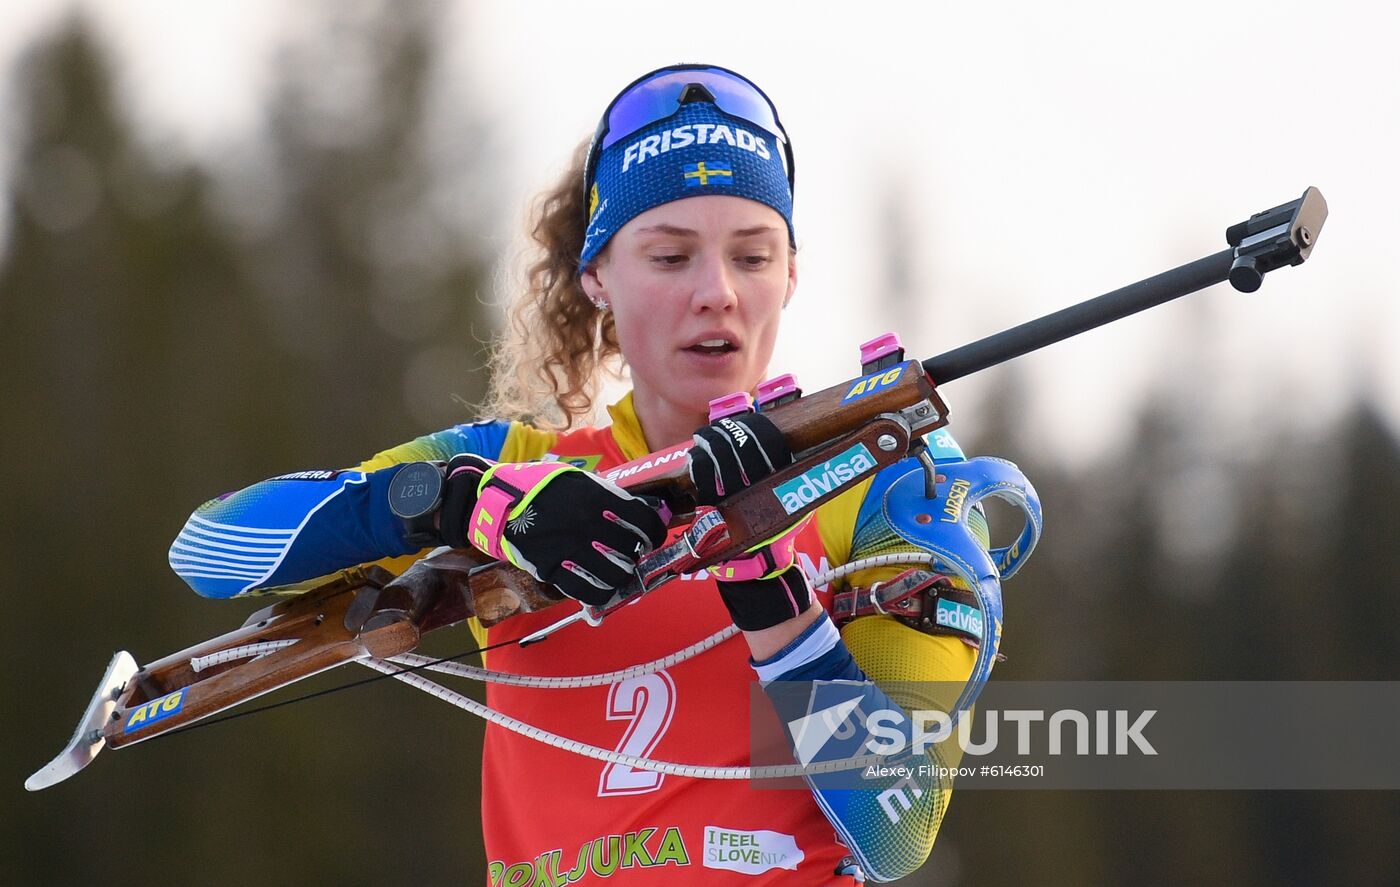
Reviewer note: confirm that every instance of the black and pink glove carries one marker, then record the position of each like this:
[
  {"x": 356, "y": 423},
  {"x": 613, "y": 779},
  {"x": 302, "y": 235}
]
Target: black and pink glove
[
  {"x": 559, "y": 523},
  {"x": 735, "y": 452},
  {"x": 764, "y": 587}
]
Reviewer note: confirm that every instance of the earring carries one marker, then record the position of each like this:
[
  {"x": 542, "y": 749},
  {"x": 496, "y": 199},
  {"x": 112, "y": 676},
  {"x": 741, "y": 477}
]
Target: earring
[{"x": 599, "y": 302}]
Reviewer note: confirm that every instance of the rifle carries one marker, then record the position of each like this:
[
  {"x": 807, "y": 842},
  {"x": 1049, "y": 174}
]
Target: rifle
[{"x": 840, "y": 436}]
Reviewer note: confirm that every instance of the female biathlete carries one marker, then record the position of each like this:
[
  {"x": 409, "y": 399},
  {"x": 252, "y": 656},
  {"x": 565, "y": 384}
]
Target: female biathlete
[{"x": 669, "y": 244}]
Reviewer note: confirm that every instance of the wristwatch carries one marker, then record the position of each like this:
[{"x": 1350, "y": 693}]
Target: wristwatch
[{"x": 415, "y": 493}]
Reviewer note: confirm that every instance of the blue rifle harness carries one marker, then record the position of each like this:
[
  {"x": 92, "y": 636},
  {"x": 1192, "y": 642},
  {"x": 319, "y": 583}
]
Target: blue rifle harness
[
  {"x": 888, "y": 820},
  {"x": 898, "y": 517}
]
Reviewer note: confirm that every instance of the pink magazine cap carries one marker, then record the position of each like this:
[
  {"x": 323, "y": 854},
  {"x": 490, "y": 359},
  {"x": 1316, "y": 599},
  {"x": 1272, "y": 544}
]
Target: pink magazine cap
[
  {"x": 776, "y": 387},
  {"x": 730, "y": 404},
  {"x": 879, "y": 346}
]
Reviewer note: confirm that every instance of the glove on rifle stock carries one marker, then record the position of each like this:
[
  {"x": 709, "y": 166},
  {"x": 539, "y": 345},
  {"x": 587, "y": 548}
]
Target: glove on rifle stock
[
  {"x": 560, "y": 524},
  {"x": 765, "y": 587},
  {"x": 735, "y": 452}
]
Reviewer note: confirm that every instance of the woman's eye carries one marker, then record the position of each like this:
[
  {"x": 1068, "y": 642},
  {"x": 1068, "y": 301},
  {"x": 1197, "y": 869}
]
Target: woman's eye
[
  {"x": 754, "y": 261},
  {"x": 671, "y": 259}
]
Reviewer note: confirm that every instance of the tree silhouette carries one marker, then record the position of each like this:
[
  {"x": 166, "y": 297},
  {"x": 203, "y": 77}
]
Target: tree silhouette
[{"x": 158, "y": 351}]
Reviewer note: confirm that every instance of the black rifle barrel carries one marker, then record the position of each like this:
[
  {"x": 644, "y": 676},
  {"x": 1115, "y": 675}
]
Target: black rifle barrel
[
  {"x": 1076, "y": 319},
  {"x": 1265, "y": 241}
]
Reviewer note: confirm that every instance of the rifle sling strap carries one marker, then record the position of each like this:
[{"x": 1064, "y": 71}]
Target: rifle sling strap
[{"x": 921, "y": 599}]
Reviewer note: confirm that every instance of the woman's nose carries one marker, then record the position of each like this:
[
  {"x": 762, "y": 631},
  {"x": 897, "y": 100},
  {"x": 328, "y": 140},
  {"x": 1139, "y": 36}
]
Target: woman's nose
[{"x": 714, "y": 287}]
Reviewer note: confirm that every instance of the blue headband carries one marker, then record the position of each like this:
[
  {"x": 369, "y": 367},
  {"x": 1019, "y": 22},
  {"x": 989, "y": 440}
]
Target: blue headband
[{"x": 698, "y": 151}]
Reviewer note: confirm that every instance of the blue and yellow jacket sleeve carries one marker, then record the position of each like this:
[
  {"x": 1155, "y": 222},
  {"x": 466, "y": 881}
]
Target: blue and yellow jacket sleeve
[
  {"x": 896, "y": 668},
  {"x": 307, "y": 524}
]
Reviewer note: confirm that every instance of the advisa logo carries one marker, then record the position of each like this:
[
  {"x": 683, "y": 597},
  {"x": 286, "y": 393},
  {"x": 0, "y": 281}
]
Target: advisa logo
[
  {"x": 821, "y": 479},
  {"x": 951, "y": 614}
]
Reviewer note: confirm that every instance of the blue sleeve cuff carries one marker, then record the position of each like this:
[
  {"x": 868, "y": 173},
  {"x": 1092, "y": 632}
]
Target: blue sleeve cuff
[{"x": 817, "y": 654}]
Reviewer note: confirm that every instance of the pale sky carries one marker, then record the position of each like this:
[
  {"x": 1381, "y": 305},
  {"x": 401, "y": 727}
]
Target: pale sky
[{"x": 1043, "y": 154}]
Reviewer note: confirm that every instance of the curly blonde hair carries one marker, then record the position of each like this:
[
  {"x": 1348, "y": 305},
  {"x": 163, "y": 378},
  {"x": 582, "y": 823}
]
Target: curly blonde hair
[{"x": 546, "y": 366}]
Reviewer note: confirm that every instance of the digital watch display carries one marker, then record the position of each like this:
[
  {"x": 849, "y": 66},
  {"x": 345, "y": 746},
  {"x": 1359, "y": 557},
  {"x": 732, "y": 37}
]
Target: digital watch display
[{"x": 414, "y": 496}]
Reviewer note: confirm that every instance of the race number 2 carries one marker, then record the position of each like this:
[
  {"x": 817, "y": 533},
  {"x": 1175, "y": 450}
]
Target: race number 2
[{"x": 647, "y": 702}]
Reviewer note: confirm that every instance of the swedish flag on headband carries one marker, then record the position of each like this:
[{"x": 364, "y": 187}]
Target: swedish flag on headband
[
  {"x": 711, "y": 172},
  {"x": 655, "y": 165}
]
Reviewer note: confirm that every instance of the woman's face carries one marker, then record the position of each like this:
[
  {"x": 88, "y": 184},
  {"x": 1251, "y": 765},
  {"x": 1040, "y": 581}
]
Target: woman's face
[{"x": 697, "y": 288}]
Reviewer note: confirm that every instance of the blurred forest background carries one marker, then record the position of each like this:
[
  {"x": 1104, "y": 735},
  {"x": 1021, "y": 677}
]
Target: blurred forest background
[{"x": 166, "y": 335}]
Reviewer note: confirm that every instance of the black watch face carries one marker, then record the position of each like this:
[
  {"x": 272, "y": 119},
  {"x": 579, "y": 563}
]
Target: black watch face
[{"x": 415, "y": 489}]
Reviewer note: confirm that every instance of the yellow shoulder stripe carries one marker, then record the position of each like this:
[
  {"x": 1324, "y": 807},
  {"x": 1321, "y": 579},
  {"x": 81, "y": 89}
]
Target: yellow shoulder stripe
[{"x": 525, "y": 443}]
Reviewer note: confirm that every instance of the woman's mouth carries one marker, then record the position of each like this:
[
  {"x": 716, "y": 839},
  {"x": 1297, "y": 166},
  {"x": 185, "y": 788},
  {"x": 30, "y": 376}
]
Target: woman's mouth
[{"x": 712, "y": 346}]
